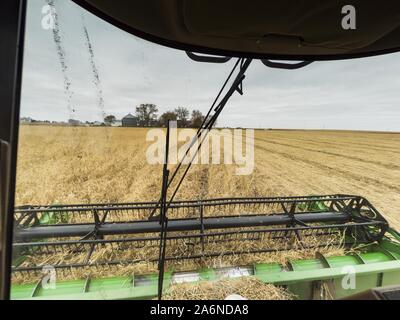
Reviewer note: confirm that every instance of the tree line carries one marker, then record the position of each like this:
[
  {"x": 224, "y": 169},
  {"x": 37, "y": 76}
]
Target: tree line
[{"x": 147, "y": 116}]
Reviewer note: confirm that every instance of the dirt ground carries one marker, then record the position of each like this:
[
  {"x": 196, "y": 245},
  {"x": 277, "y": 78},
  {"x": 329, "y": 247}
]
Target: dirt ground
[{"x": 89, "y": 165}]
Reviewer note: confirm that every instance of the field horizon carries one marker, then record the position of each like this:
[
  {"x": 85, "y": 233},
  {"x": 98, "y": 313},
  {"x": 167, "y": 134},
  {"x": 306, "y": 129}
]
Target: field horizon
[{"x": 217, "y": 128}]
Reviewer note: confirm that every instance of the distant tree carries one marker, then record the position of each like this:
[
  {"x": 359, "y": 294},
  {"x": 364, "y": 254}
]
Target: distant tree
[
  {"x": 109, "y": 120},
  {"x": 182, "y": 114},
  {"x": 197, "y": 119},
  {"x": 167, "y": 116},
  {"x": 146, "y": 114}
]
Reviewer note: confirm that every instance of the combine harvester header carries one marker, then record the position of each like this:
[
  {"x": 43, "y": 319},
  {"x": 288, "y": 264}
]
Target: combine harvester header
[{"x": 291, "y": 223}]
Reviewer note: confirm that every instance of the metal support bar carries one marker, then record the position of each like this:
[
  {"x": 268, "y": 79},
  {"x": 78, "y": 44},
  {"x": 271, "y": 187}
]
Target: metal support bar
[
  {"x": 163, "y": 218},
  {"x": 190, "y": 224},
  {"x": 88, "y": 208},
  {"x": 12, "y": 31},
  {"x": 285, "y": 65},
  {"x": 201, "y": 208},
  {"x": 209, "y": 59}
]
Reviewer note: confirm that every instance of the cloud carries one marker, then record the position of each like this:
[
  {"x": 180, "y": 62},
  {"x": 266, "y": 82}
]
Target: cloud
[{"x": 353, "y": 94}]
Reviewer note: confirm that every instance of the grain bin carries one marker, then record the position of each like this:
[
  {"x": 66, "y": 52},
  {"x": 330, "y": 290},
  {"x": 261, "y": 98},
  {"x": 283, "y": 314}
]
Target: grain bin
[{"x": 130, "y": 121}]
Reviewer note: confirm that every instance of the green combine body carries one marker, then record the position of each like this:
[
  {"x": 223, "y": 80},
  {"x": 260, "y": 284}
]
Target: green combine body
[{"x": 376, "y": 265}]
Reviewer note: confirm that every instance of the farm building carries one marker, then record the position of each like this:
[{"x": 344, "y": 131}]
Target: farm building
[
  {"x": 130, "y": 121},
  {"x": 73, "y": 122}
]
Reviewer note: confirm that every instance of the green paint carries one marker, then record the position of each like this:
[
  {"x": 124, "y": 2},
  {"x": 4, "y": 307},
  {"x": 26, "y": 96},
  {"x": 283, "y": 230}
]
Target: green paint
[{"x": 378, "y": 265}]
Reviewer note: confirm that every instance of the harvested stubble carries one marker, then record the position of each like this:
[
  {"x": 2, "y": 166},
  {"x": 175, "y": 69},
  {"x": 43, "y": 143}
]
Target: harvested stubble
[
  {"x": 96, "y": 165},
  {"x": 92, "y": 165},
  {"x": 247, "y": 287}
]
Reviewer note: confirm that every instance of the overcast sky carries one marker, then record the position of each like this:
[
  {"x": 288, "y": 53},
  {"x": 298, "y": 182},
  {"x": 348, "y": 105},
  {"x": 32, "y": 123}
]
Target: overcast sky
[{"x": 361, "y": 94}]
